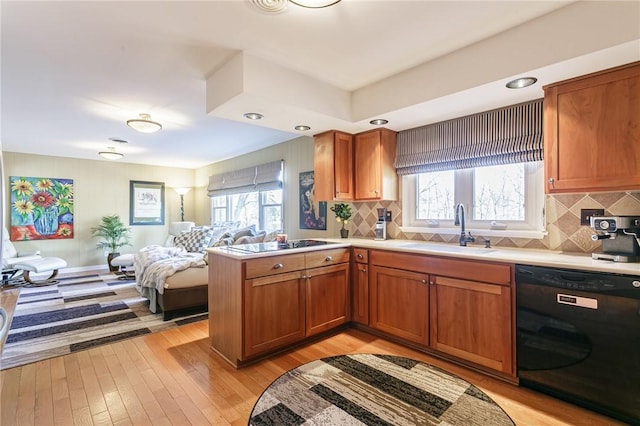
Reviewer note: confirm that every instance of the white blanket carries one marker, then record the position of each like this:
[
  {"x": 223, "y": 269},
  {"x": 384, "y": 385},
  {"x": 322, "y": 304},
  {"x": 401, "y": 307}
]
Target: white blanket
[{"x": 154, "y": 264}]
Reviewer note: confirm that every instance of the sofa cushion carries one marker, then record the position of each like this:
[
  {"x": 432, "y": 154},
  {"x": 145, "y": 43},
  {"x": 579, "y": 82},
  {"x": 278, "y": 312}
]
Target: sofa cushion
[
  {"x": 195, "y": 240},
  {"x": 247, "y": 239}
]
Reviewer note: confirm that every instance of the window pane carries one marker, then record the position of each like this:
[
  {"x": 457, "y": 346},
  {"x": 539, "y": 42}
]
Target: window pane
[
  {"x": 272, "y": 218},
  {"x": 219, "y": 201},
  {"x": 219, "y": 215},
  {"x": 435, "y": 192},
  {"x": 245, "y": 209},
  {"x": 498, "y": 192},
  {"x": 272, "y": 197}
]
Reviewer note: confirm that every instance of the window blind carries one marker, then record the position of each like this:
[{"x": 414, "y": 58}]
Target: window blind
[
  {"x": 262, "y": 177},
  {"x": 506, "y": 135}
]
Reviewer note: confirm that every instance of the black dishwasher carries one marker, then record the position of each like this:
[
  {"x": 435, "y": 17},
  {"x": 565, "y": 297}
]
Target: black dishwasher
[{"x": 578, "y": 338}]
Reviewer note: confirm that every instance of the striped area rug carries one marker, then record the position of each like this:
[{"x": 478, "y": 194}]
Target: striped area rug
[
  {"x": 79, "y": 312},
  {"x": 374, "y": 390}
]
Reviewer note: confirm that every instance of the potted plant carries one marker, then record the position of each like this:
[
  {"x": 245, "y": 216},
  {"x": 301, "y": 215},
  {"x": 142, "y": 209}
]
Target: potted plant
[
  {"x": 343, "y": 214},
  {"x": 114, "y": 234}
]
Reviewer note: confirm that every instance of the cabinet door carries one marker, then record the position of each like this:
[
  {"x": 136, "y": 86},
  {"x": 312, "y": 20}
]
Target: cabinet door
[
  {"x": 472, "y": 321},
  {"x": 274, "y": 309},
  {"x": 592, "y": 132},
  {"x": 375, "y": 176},
  {"x": 360, "y": 293},
  {"x": 333, "y": 166},
  {"x": 399, "y": 303},
  {"x": 327, "y": 291}
]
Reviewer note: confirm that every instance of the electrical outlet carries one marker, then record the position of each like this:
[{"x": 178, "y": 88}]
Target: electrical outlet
[
  {"x": 387, "y": 216},
  {"x": 587, "y": 214}
]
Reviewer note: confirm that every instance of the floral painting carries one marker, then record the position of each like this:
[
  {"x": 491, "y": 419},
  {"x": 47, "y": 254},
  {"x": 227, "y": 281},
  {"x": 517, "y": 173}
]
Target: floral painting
[
  {"x": 313, "y": 214},
  {"x": 41, "y": 208}
]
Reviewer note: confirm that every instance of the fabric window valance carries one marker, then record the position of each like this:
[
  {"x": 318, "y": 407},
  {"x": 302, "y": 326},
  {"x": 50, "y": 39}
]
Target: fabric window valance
[
  {"x": 262, "y": 177},
  {"x": 506, "y": 135}
]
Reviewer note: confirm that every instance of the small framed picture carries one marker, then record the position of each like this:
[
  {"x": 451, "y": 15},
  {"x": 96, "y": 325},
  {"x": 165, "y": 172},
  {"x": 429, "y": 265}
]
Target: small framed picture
[{"x": 146, "y": 203}]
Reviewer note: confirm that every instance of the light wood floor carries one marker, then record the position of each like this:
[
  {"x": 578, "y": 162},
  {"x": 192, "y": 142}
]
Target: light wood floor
[{"x": 172, "y": 377}]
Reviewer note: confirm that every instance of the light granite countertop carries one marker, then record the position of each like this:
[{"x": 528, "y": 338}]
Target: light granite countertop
[{"x": 549, "y": 258}]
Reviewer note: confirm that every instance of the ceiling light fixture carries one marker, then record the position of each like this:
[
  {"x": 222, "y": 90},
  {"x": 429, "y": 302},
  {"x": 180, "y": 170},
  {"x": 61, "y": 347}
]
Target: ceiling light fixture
[
  {"x": 314, "y": 4},
  {"x": 111, "y": 154},
  {"x": 253, "y": 115},
  {"x": 302, "y": 128},
  {"x": 379, "y": 122},
  {"x": 271, "y": 6},
  {"x": 144, "y": 124},
  {"x": 521, "y": 82}
]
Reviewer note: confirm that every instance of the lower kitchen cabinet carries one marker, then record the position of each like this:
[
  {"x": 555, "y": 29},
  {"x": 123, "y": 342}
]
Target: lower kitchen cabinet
[
  {"x": 472, "y": 321},
  {"x": 360, "y": 287},
  {"x": 274, "y": 312},
  {"x": 327, "y": 297},
  {"x": 399, "y": 303}
]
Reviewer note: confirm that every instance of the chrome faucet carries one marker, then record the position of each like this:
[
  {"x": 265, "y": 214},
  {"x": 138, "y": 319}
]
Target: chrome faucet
[{"x": 459, "y": 221}]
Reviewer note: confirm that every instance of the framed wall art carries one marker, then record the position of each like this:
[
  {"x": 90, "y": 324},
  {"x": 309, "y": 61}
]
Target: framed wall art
[
  {"x": 41, "y": 208},
  {"x": 146, "y": 203},
  {"x": 313, "y": 214}
]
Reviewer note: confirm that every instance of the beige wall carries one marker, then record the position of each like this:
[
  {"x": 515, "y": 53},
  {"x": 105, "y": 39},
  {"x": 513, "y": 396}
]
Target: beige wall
[{"x": 100, "y": 188}]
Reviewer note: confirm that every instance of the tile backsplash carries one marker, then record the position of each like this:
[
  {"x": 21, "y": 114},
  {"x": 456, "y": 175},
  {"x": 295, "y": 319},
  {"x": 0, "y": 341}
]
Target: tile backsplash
[{"x": 564, "y": 231}]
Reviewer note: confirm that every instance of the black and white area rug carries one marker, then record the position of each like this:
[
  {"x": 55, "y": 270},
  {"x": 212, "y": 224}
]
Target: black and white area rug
[
  {"x": 374, "y": 390},
  {"x": 79, "y": 312}
]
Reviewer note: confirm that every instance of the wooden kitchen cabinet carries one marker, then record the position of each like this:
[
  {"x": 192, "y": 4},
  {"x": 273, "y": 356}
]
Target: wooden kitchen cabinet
[
  {"x": 472, "y": 321},
  {"x": 592, "y": 132},
  {"x": 333, "y": 166},
  {"x": 375, "y": 175},
  {"x": 327, "y": 298},
  {"x": 399, "y": 303},
  {"x": 360, "y": 286},
  {"x": 274, "y": 312}
]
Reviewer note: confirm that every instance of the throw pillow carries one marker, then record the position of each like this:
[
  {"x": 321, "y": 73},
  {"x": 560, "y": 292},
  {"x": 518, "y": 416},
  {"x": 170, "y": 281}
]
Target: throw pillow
[
  {"x": 250, "y": 240},
  {"x": 195, "y": 240}
]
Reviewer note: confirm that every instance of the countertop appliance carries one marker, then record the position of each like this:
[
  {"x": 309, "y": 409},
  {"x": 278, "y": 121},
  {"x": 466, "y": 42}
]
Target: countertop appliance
[
  {"x": 578, "y": 338},
  {"x": 620, "y": 237},
  {"x": 381, "y": 224},
  {"x": 276, "y": 246}
]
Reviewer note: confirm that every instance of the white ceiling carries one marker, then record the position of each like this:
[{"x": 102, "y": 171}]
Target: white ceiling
[{"x": 73, "y": 72}]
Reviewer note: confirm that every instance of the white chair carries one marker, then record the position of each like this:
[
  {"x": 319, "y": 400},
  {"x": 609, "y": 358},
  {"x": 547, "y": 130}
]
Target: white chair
[{"x": 14, "y": 263}]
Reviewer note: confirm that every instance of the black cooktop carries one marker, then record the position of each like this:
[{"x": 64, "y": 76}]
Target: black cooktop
[{"x": 276, "y": 246}]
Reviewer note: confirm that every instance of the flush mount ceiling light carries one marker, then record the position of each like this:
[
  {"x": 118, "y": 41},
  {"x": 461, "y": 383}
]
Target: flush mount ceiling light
[
  {"x": 144, "y": 124},
  {"x": 521, "y": 82},
  {"x": 302, "y": 128},
  {"x": 252, "y": 115},
  {"x": 314, "y": 4},
  {"x": 378, "y": 121},
  {"x": 271, "y": 6},
  {"x": 111, "y": 154}
]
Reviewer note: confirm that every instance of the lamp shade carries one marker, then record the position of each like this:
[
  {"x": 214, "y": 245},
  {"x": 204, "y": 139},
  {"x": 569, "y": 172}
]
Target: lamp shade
[
  {"x": 144, "y": 124},
  {"x": 182, "y": 191}
]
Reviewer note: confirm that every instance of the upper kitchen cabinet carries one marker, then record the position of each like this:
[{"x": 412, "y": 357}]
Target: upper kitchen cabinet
[
  {"x": 375, "y": 176},
  {"x": 333, "y": 166},
  {"x": 592, "y": 132}
]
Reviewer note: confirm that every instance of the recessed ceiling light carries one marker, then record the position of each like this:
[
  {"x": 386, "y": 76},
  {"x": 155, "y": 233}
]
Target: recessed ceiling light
[
  {"x": 252, "y": 115},
  {"x": 314, "y": 4},
  {"x": 302, "y": 128},
  {"x": 144, "y": 124},
  {"x": 521, "y": 82},
  {"x": 117, "y": 140},
  {"x": 111, "y": 154},
  {"x": 378, "y": 121}
]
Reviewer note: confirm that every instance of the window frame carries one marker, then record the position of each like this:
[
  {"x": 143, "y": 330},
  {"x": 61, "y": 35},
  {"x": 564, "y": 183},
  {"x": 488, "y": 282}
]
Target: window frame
[
  {"x": 534, "y": 225},
  {"x": 261, "y": 207}
]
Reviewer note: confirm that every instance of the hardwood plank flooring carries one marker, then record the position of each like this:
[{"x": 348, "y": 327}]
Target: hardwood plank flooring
[{"x": 173, "y": 378}]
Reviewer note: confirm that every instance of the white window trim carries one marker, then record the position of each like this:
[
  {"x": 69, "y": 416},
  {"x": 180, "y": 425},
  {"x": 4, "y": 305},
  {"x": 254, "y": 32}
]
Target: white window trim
[{"x": 534, "y": 226}]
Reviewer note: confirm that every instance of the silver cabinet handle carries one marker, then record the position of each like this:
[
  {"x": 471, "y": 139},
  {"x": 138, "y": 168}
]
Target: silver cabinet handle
[
  {"x": 278, "y": 266},
  {"x": 432, "y": 283},
  {"x": 360, "y": 256},
  {"x": 424, "y": 281},
  {"x": 364, "y": 269},
  {"x": 304, "y": 277},
  {"x": 551, "y": 181},
  {"x": 328, "y": 258}
]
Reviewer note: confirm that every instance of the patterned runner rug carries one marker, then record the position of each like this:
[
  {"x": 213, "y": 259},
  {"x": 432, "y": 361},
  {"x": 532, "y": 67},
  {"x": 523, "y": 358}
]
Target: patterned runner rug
[
  {"x": 374, "y": 390},
  {"x": 79, "y": 312}
]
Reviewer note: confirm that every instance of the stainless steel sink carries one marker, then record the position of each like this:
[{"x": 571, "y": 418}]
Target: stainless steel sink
[{"x": 448, "y": 248}]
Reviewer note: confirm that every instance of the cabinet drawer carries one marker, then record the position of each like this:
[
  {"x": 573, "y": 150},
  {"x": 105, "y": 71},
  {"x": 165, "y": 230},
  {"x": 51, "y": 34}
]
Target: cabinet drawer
[
  {"x": 391, "y": 259},
  {"x": 327, "y": 257},
  {"x": 361, "y": 255},
  {"x": 274, "y": 265}
]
